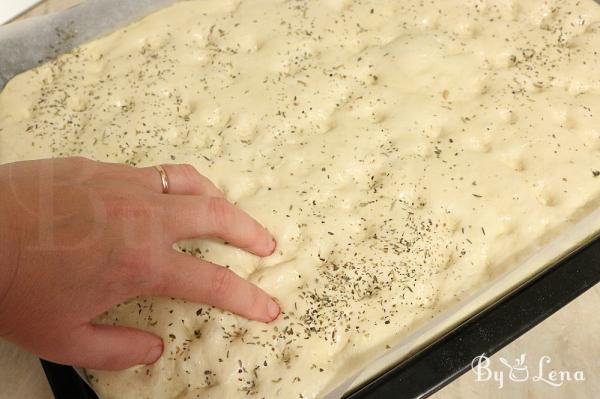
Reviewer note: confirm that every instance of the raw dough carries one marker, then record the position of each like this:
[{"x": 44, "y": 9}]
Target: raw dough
[{"x": 403, "y": 153}]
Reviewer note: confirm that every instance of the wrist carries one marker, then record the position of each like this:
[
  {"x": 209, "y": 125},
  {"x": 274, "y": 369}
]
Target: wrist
[{"x": 9, "y": 256}]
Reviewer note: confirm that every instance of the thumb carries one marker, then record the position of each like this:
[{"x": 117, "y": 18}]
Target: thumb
[{"x": 103, "y": 347}]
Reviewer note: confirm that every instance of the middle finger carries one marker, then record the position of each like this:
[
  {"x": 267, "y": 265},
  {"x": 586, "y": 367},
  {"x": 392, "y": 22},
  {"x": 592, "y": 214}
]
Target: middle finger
[{"x": 202, "y": 216}]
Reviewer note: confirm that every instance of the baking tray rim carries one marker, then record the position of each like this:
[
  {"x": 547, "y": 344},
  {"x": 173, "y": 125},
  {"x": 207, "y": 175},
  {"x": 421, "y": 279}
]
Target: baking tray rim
[
  {"x": 538, "y": 261},
  {"x": 419, "y": 349}
]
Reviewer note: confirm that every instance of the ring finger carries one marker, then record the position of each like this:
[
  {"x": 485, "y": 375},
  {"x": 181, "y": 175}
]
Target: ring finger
[{"x": 183, "y": 179}]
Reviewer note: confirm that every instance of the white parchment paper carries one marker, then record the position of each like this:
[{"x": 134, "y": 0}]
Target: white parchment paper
[{"x": 26, "y": 44}]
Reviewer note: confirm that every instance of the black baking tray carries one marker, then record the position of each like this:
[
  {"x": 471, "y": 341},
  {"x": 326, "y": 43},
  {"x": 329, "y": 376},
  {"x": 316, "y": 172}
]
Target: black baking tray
[{"x": 442, "y": 362}]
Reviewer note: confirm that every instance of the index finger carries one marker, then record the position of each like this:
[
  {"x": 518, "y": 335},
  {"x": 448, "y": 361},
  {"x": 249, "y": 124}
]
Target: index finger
[{"x": 186, "y": 277}]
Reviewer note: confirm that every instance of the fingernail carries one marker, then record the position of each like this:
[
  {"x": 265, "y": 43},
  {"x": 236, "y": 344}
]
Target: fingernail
[
  {"x": 274, "y": 243},
  {"x": 154, "y": 354},
  {"x": 273, "y": 309}
]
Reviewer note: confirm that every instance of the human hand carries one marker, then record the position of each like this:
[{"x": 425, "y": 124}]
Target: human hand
[{"x": 78, "y": 237}]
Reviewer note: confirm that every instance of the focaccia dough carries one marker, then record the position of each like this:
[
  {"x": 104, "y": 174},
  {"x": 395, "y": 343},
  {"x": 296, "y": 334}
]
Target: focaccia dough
[{"x": 403, "y": 153}]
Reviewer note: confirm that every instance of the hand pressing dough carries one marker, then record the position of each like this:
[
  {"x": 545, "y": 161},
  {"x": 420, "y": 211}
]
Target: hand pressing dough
[{"x": 403, "y": 153}]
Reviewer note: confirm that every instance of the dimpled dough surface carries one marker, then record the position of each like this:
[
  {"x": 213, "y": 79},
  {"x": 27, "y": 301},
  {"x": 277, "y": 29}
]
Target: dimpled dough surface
[{"x": 402, "y": 152}]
